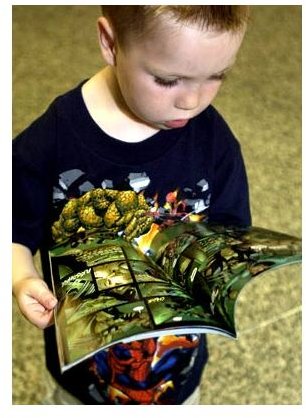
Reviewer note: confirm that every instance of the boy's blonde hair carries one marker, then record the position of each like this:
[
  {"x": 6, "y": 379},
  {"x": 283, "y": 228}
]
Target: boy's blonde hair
[{"x": 134, "y": 21}]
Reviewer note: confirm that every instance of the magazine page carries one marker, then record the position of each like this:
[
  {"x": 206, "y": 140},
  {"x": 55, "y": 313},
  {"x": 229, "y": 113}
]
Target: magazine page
[{"x": 214, "y": 263}]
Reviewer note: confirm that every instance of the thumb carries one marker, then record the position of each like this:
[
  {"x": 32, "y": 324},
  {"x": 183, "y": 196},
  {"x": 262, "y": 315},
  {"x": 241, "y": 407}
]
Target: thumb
[{"x": 44, "y": 296}]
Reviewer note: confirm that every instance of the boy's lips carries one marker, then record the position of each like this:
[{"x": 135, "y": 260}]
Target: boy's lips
[{"x": 177, "y": 123}]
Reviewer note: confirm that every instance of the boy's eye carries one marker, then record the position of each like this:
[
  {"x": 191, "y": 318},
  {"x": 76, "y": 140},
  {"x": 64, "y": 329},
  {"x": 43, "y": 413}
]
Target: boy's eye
[{"x": 165, "y": 83}]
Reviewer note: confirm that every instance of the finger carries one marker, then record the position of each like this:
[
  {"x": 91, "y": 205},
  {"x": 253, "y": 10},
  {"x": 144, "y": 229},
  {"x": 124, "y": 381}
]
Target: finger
[
  {"x": 45, "y": 297},
  {"x": 41, "y": 319},
  {"x": 48, "y": 300}
]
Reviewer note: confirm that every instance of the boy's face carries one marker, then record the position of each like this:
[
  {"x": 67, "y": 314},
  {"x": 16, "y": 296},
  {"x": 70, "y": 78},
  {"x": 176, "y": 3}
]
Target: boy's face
[{"x": 174, "y": 74}]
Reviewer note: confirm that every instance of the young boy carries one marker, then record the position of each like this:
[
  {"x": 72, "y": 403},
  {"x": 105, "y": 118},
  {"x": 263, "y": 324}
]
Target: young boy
[{"x": 144, "y": 123}]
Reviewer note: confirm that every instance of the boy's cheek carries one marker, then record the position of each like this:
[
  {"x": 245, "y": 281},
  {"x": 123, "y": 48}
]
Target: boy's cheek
[
  {"x": 207, "y": 97},
  {"x": 150, "y": 104}
]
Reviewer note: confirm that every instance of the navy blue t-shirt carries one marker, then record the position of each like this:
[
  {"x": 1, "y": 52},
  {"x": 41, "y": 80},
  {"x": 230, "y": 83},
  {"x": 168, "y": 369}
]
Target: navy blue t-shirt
[{"x": 190, "y": 173}]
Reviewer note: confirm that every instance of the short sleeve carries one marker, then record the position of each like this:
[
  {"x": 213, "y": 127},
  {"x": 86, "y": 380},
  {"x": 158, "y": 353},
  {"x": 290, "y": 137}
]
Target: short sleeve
[{"x": 34, "y": 157}]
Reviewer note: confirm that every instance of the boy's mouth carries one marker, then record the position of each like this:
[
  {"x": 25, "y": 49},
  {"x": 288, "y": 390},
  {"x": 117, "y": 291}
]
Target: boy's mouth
[{"x": 178, "y": 123}]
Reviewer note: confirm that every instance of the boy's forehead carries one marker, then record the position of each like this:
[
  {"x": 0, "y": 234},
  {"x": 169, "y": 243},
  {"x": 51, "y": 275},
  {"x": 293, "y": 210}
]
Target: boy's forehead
[
  {"x": 169, "y": 32},
  {"x": 173, "y": 47}
]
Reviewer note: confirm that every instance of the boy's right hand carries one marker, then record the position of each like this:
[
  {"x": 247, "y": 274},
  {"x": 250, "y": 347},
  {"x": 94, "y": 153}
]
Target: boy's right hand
[{"x": 35, "y": 301}]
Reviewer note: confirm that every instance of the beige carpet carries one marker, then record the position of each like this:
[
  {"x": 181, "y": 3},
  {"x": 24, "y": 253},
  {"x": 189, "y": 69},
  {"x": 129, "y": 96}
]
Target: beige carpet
[{"x": 54, "y": 47}]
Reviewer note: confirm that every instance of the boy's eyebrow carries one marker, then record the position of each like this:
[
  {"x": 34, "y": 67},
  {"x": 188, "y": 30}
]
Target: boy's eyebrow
[
  {"x": 181, "y": 76},
  {"x": 225, "y": 70},
  {"x": 222, "y": 72}
]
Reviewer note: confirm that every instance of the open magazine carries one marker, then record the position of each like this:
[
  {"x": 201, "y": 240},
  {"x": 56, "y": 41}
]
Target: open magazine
[{"x": 185, "y": 280}]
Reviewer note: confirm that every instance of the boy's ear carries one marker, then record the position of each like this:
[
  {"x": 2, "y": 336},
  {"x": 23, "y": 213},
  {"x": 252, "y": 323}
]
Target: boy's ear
[{"x": 107, "y": 40}]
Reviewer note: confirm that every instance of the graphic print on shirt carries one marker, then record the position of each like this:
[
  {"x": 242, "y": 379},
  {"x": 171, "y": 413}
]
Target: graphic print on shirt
[
  {"x": 150, "y": 371},
  {"x": 127, "y": 213}
]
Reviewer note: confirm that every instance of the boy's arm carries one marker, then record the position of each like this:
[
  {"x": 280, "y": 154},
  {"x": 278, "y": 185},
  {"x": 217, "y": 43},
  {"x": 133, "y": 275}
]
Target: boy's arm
[{"x": 34, "y": 299}]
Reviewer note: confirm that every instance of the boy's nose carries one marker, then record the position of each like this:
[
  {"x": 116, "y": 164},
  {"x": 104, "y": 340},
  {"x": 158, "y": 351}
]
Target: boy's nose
[{"x": 188, "y": 101}]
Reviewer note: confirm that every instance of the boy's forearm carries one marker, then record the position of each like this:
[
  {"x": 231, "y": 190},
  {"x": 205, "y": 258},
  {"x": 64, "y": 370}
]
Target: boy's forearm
[{"x": 22, "y": 264}]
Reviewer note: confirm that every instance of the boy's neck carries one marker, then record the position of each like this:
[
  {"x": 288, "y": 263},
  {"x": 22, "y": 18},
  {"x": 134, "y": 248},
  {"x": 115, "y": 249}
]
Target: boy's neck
[{"x": 106, "y": 106}]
